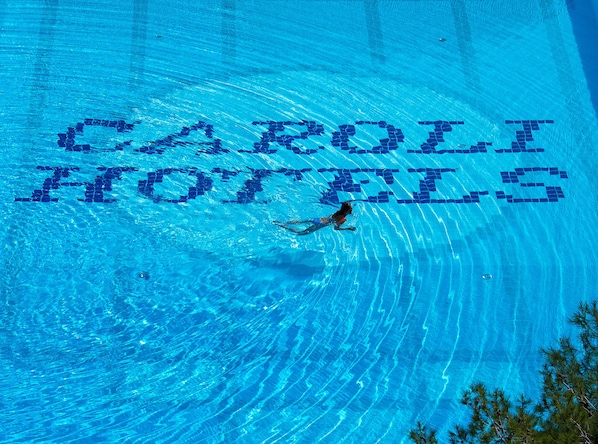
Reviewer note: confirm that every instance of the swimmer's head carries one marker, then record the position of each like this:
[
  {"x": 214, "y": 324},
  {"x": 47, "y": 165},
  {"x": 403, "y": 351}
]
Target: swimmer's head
[{"x": 346, "y": 208}]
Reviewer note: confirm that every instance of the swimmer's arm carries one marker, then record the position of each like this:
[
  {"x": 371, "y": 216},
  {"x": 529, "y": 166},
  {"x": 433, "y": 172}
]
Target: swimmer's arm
[{"x": 338, "y": 226}]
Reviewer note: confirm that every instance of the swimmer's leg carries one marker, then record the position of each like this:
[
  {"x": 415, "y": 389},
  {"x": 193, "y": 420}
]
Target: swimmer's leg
[
  {"x": 297, "y": 231},
  {"x": 285, "y": 226},
  {"x": 310, "y": 229},
  {"x": 294, "y": 230},
  {"x": 291, "y": 222}
]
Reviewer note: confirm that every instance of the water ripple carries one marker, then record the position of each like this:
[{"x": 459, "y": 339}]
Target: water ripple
[{"x": 202, "y": 321}]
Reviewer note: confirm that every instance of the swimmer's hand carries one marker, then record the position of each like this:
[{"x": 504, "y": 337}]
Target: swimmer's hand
[{"x": 346, "y": 228}]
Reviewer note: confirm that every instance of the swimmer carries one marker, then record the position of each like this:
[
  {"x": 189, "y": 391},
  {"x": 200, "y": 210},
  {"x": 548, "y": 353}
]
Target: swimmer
[{"x": 337, "y": 219}]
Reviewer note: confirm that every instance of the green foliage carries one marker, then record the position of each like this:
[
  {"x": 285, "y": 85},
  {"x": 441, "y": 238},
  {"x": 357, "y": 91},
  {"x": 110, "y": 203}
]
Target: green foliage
[
  {"x": 423, "y": 435},
  {"x": 566, "y": 411}
]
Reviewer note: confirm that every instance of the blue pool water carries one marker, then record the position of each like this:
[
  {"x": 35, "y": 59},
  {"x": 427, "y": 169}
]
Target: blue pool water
[{"x": 148, "y": 146}]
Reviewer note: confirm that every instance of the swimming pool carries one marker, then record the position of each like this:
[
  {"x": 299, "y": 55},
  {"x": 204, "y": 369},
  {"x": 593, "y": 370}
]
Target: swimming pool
[{"x": 148, "y": 146}]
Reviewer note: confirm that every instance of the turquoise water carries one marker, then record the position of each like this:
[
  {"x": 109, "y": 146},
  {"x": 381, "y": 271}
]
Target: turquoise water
[{"x": 147, "y": 147}]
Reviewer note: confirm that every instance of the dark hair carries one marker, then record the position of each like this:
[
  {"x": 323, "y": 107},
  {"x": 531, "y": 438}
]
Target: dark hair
[{"x": 345, "y": 209}]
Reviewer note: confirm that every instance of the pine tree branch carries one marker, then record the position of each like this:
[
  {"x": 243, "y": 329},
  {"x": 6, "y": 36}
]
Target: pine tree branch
[
  {"x": 583, "y": 400},
  {"x": 583, "y": 435},
  {"x": 500, "y": 431},
  {"x": 566, "y": 410}
]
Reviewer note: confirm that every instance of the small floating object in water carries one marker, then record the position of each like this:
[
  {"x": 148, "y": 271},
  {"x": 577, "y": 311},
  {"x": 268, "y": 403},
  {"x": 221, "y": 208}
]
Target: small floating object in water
[
  {"x": 486, "y": 276},
  {"x": 461, "y": 145},
  {"x": 144, "y": 275},
  {"x": 442, "y": 39}
]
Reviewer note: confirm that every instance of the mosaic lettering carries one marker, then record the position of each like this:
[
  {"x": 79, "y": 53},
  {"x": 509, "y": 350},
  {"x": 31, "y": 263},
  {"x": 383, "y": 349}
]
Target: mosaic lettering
[
  {"x": 53, "y": 182},
  {"x": 373, "y": 185},
  {"x": 341, "y": 138},
  {"x": 428, "y": 185},
  {"x": 146, "y": 186},
  {"x": 552, "y": 193},
  {"x": 67, "y": 140},
  {"x": 272, "y": 136}
]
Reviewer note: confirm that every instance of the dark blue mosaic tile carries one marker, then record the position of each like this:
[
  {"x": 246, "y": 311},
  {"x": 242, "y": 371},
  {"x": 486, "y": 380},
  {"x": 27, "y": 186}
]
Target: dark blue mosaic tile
[
  {"x": 523, "y": 137},
  {"x": 341, "y": 138},
  {"x": 203, "y": 184},
  {"x": 213, "y": 146},
  {"x": 344, "y": 181},
  {"x": 436, "y": 136},
  {"x": 52, "y": 182},
  {"x": 251, "y": 186},
  {"x": 270, "y": 137},
  {"x": 94, "y": 191},
  {"x": 428, "y": 185},
  {"x": 67, "y": 140},
  {"x": 553, "y": 193}
]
